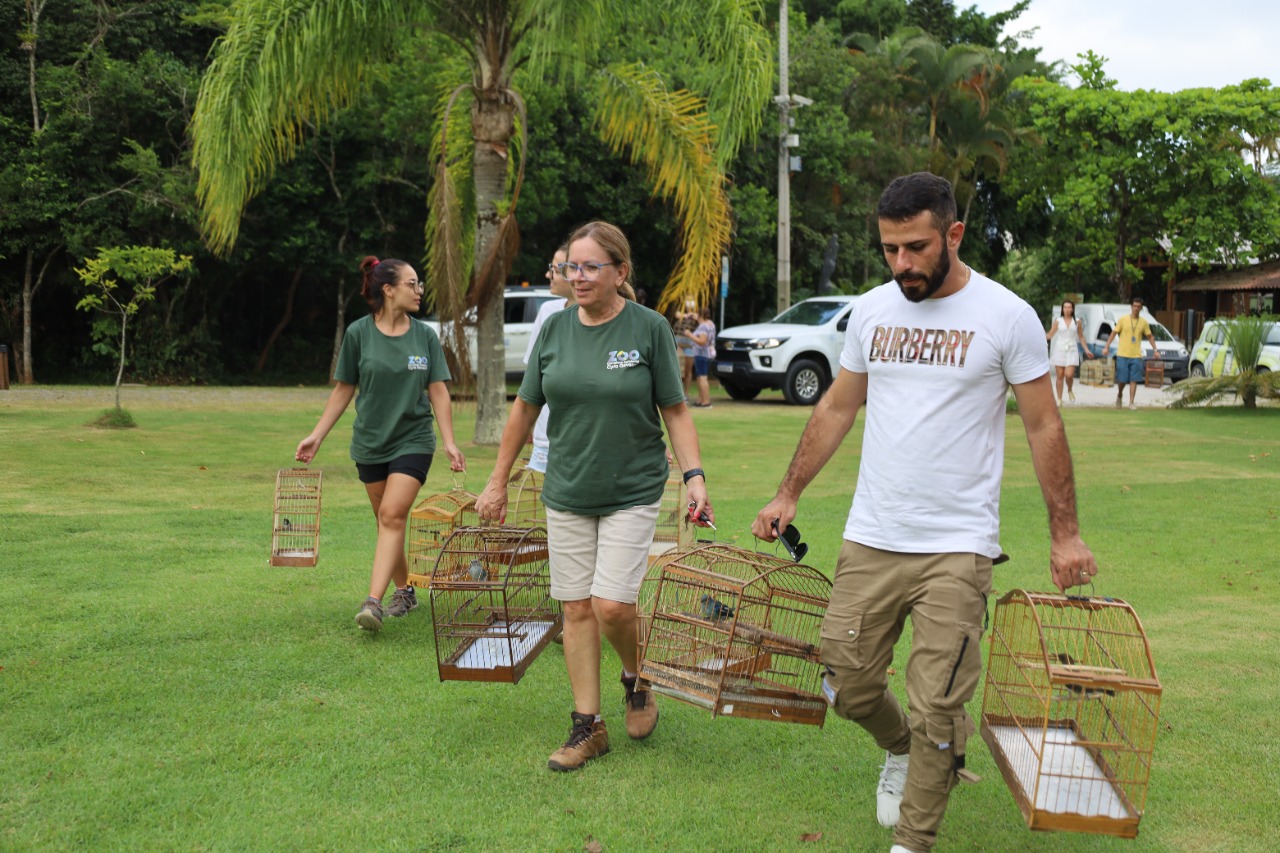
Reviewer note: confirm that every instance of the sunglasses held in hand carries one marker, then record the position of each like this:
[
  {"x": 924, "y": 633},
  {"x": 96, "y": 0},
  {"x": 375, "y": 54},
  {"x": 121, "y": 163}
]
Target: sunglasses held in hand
[{"x": 790, "y": 539}]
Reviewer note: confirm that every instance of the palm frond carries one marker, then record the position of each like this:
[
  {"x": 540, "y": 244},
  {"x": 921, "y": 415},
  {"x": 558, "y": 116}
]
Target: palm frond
[
  {"x": 669, "y": 133},
  {"x": 1203, "y": 389},
  {"x": 1245, "y": 335},
  {"x": 281, "y": 65},
  {"x": 739, "y": 50},
  {"x": 449, "y": 256}
]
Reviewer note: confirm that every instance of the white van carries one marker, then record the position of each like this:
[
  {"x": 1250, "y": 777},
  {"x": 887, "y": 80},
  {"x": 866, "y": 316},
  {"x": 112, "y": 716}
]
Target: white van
[{"x": 1099, "y": 318}]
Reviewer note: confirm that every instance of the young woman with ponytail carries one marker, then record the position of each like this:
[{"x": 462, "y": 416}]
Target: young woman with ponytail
[{"x": 399, "y": 367}]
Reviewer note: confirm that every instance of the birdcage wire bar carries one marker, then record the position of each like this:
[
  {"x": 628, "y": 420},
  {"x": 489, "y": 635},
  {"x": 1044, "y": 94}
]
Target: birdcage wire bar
[
  {"x": 491, "y": 605},
  {"x": 295, "y": 529},
  {"x": 674, "y": 529},
  {"x": 524, "y": 497},
  {"x": 1071, "y": 709},
  {"x": 735, "y": 632},
  {"x": 431, "y": 522}
]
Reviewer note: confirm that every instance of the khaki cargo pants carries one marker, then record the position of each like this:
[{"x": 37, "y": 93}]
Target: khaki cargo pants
[{"x": 946, "y": 597}]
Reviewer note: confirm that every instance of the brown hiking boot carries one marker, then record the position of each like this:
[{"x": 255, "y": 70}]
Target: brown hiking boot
[
  {"x": 587, "y": 740},
  {"x": 642, "y": 710}
]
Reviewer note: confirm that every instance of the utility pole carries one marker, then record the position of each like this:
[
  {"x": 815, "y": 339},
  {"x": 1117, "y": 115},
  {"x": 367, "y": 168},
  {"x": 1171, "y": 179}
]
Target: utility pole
[{"x": 784, "y": 164}]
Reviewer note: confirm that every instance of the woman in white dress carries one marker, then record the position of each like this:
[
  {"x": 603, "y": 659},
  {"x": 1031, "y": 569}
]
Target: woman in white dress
[{"x": 1063, "y": 354}]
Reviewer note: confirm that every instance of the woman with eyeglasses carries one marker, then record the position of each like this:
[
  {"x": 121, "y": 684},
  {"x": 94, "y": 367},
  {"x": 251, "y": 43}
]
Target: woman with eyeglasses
[
  {"x": 399, "y": 367},
  {"x": 608, "y": 371}
]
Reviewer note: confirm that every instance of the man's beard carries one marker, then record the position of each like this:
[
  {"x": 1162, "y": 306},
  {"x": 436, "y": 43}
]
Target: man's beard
[{"x": 932, "y": 284}]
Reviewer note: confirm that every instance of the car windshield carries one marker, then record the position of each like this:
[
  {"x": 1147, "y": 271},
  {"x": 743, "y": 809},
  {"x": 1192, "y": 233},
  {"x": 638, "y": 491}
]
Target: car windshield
[
  {"x": 1160, "y": 333},
  {"x": 1273, "y": 336},
  {"x": 810, "y": 313}
]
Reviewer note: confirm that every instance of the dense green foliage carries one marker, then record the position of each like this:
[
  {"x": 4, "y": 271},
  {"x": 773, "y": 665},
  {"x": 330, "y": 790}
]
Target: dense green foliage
[{"x": 1086, "y": 189}]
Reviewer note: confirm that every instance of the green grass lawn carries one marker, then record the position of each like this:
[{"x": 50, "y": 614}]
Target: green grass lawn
[{"x": 162, "y": 687}]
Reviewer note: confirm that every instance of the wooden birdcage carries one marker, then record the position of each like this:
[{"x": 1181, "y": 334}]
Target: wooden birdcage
[
  {"x": 735, "y": 631},
  {"x": 431, "y": 522},
  {"x": 491, "y": 603},
  {"x": 674, "y": 529},
  {"x": 524, "y": 497},
  {"x": 295, "y": 530},
  {"x": 1070, "y": 710}
]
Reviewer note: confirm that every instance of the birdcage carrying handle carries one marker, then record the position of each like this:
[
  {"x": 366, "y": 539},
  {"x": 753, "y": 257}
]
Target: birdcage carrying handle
[{"x": 1091, "y": 596}]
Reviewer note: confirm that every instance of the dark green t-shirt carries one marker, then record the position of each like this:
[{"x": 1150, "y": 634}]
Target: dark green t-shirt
[
  {"x": 393, "y": 413},
  {"x": 604, "y": 385}
]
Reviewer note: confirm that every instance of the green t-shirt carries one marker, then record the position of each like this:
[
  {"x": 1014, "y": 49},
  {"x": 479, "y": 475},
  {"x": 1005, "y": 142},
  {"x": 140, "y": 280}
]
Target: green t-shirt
[
  {"x": 393, "y": 413},
  {"x": 604, "y": 385}
]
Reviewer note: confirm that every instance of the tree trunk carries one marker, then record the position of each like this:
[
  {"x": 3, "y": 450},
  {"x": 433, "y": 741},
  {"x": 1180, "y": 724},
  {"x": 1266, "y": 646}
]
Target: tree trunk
[
  {"x": 25, "y": 373},
  {"x": 284, "y": 321},
  {"x": 492, "y": 125},
  {"x": 341, "y": 312},
  {"x": 124, "y": 325}
]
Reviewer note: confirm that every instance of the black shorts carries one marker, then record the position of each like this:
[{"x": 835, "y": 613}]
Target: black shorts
[{"x": 415, "y": 465}]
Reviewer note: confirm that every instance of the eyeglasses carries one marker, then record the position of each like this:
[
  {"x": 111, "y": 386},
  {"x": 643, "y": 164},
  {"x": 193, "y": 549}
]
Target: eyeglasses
[
  {"x": 415, "y": 285},
  {"x": 790, "y": 539},
  {"x": 589, "y": 270}
]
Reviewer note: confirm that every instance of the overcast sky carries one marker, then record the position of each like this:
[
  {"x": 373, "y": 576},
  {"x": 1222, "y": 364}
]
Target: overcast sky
[{"x": 1165, "y": 45}]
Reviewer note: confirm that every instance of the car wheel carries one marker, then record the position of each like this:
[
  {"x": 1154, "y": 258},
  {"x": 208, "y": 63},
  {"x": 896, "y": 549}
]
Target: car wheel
[
  {"x": 738, "y": 392},
  {"x": 806, "y": 381},
  {"x": 1197, "y": 369}
]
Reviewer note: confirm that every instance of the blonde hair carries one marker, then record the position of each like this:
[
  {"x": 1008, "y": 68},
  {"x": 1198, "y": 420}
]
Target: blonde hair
[{"x": 610, "y": 238}]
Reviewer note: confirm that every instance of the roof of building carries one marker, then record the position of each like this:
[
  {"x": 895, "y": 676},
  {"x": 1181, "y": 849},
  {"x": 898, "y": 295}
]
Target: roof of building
[{"x": 1264, "y": 276}]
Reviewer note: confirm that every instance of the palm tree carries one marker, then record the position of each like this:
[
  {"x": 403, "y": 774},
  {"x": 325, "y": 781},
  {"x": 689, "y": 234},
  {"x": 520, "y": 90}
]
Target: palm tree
[
  {"x": 1245, "y": 337},
  {"x": 283, "y": 64}
]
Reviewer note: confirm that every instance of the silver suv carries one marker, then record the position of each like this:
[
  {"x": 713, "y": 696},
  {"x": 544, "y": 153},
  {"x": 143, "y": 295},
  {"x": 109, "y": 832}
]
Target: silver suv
[{"x": 797, "y": 351}]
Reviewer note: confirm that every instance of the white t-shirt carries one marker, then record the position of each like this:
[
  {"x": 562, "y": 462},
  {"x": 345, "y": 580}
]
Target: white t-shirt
[
  {"x": 933, "y": 447},
  {"x": 541, "y": 445}
]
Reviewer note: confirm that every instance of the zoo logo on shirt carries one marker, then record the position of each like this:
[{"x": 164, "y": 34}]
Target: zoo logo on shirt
[
  {"x": 622, "y": 358},
  {"x": 419, "y": 362}
]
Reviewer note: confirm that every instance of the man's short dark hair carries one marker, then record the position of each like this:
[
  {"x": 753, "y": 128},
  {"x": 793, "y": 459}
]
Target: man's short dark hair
[
  {"x": 1137, "y": 299},
  {"x": 908, "y": 196}
]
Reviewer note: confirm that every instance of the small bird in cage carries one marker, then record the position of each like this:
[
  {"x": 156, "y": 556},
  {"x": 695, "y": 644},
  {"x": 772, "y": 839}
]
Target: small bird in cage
[
  {"x": 284, "y": 522},
  {"x": 477, "y": 570},
  {"x": 715, "y": 609}
]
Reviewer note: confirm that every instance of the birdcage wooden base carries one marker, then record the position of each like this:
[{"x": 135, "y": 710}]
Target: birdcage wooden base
[
  {"x": 489, "y": 656},
  {"x": 1076, "y": 793},
  {"x": 294, "y": 559},
  {"x": 697, "y": 685}
]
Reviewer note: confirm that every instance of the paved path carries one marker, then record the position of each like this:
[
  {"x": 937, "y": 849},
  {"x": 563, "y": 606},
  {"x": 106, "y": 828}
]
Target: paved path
[{"x": 1093, "y": 396}]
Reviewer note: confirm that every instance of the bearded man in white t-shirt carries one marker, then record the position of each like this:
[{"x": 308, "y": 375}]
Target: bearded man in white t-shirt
[{"x": 932, "y": 355}]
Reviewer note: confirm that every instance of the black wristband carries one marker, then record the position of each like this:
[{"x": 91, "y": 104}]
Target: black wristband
[{"x": 694, "y": 472}]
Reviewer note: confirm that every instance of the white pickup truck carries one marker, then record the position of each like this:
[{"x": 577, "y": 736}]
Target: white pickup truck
[{"x": 797, "y": 351}]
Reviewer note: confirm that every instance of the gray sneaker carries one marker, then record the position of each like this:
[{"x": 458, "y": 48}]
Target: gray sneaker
[
  {"x": 370, "y": 615},
  {"x": 402, "y": 601}
]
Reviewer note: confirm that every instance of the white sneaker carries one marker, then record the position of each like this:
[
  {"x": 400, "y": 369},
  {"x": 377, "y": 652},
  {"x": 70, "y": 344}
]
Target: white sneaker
[
  {"x": 1133, "y": 405},
  {"x": 1072, "y": 395},
  {"x": 893, "y": 780},
  {"x": 898, "y": 848}
]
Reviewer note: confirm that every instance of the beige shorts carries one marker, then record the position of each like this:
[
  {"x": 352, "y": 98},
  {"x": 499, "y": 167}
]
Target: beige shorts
[{"x": 604, "y": 556}]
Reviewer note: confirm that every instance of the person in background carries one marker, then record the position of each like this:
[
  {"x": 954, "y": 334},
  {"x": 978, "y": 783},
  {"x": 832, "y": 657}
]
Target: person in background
[
  {"x": 1130, "y": 366},
  {"x": 686, "y": 321},
  {"x": 932, "y": 355},
  {"x": 704, "y": 350},
  {"x": 561, "y": 289},
  {"x": 607, "y": 369},
  {"x": 399, "y": 367},
  {"x": 1064, "y": 355}
]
